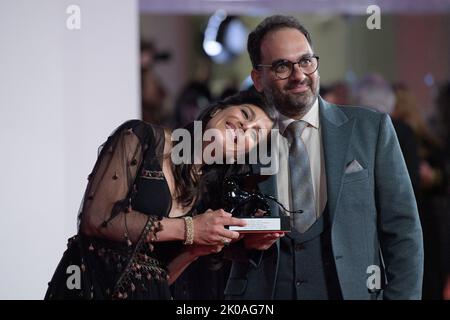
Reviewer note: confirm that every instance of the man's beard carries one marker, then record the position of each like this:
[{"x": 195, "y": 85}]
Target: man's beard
[{"x": 293, "y": 105}]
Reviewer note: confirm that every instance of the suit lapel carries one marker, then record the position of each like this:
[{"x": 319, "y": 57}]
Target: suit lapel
[{"x": 336, "y": 135}]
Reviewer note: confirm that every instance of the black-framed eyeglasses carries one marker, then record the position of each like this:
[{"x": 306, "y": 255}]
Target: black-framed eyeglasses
[{"x": 284, "y": 68}]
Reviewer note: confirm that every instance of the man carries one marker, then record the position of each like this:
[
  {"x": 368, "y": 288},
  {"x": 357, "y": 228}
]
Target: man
[{"x": 359, "y": 235}]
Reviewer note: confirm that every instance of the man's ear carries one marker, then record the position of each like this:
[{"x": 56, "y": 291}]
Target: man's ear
[{"x": 257, "y": 80}]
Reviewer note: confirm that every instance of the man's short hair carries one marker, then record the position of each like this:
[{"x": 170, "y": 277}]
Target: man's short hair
[{"x": 270, "y": 24}]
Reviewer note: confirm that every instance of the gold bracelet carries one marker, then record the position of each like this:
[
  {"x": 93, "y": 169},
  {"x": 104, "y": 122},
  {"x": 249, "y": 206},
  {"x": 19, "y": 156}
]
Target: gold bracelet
[{"x": 189, "y": 231}]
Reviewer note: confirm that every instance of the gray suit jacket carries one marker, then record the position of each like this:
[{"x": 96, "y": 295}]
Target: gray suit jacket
[{"x": 373, "y": 214}]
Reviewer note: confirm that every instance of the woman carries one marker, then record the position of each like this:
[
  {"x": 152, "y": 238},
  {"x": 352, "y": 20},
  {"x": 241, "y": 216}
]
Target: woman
[{"x": 138, "y": 202}]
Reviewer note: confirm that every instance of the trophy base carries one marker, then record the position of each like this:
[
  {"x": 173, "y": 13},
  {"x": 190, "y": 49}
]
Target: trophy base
[{"x": 264, "y": 225}]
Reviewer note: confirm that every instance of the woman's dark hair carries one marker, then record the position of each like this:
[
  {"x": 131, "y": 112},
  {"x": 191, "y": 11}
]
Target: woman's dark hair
[
  {"x": 270, "y": 24},
  {"x": 189, "y": 186}
]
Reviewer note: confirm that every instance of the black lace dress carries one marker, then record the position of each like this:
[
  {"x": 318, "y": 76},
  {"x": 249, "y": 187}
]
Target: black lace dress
[{"x": 114, "y": 255}]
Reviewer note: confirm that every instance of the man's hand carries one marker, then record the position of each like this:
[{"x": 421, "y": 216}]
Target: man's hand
[{"x": 262, "y": 241}]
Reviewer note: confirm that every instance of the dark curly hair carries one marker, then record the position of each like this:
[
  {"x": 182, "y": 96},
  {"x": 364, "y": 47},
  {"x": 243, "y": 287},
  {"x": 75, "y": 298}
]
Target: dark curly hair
[{"x": 270, "y": 24}]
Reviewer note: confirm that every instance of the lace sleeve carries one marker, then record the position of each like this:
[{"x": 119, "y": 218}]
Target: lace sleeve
[{"x": 106, "y": 209}]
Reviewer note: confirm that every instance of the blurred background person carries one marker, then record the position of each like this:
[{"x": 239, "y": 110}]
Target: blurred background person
[
  {"x": 153, "y": 92},
  {"x": 337, "y": 93},
  {"x": 443, "y": 197},
  {"x": 228, "y": 91},
  {"x": 406, "y": 110},
  {"x": 375, "y": 92},
  {"x": 431, "y": 187},
  {"x": 194, "y": 97}
]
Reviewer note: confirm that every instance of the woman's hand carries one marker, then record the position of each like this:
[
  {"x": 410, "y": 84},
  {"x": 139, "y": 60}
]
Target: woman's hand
[
  {"x": 189, "y": 254},
  {"x": 209, "y": 227},
  {"x": 261, "y": 241},
  {"x": 199, "y": 250}
]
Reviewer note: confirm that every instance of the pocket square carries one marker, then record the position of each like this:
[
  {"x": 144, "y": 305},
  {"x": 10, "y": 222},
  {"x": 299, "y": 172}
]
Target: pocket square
[{"x": 353, "y": 166}]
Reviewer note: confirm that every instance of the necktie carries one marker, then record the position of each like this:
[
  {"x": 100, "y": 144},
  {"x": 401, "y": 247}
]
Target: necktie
[{"x": 302, "y": 192}]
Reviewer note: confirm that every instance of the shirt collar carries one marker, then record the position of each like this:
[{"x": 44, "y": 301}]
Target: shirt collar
[{"x": 312, "y": 118}]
